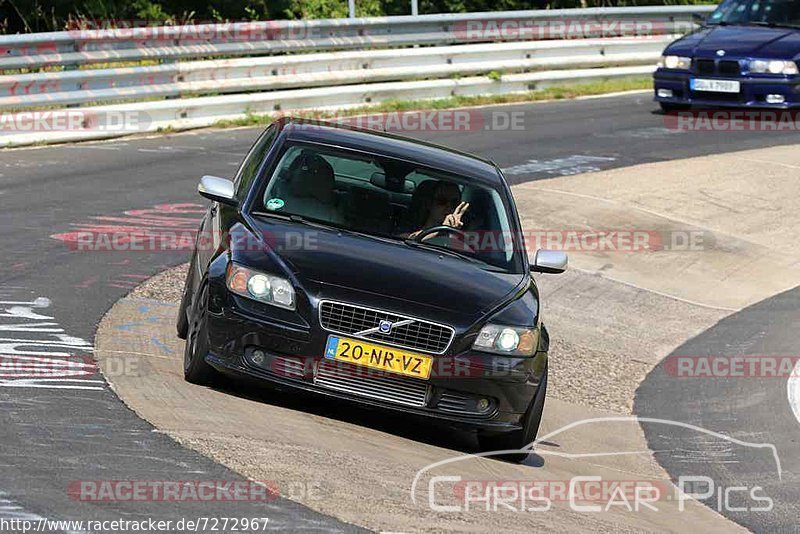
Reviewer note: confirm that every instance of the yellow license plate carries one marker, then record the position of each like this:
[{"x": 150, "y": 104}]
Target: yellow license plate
[{"x": 381, "y": 357}]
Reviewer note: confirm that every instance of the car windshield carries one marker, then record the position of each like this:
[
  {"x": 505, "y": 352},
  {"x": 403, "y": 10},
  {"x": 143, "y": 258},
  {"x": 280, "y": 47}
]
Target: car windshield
[
  {"x": 758, "y": 12},
  {"x": 387, "y": 198}
]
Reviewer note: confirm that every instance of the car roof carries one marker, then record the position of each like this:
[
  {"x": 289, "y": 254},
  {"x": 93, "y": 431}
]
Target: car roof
[{"x": 392, "y": 146}]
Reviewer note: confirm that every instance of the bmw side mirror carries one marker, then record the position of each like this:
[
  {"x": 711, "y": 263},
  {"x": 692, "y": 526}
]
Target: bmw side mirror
[
  {"x": 216, "y": 189},
  {"x": 549, "y": 261}
]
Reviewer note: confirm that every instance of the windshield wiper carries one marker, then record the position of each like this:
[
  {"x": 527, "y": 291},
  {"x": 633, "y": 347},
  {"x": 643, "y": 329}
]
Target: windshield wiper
[{"x": 298, "y": 219}]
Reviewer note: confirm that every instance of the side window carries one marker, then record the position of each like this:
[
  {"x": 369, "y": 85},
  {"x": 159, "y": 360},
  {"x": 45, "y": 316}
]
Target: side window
[{"x": 247, "y": 171}]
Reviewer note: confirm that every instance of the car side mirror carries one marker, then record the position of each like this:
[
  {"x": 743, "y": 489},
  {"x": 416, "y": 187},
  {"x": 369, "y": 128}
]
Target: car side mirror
[
  {"x": 217, "y": 189},
  {"x": 549, "y": 261}
]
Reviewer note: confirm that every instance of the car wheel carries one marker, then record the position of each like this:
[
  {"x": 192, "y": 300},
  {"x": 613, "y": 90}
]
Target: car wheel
[
  {"x": 667, "y": 107},
  {"x": 519, "y": 438},
  {"x": 182, "y": 324},
  {"x": 195, "y": 368}
]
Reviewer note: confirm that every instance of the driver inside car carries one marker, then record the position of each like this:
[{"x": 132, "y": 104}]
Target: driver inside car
[{"x": 444, "y": 208}]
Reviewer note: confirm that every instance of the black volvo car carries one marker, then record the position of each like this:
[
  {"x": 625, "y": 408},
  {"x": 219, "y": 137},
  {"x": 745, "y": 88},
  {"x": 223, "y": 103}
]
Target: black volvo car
[{"x": 373, "y": 269}]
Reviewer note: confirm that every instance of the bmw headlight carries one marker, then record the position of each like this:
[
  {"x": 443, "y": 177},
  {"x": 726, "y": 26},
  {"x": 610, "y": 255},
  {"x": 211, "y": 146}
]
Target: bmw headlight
[
  {"x": 262, "y": 287},
  {"x": 507, "y": 340},
  {"x": 675, "y": 62},
  {"x": 772, "y": 66}
]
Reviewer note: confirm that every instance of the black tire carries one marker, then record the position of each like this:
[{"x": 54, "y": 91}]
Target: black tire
[
  {"x": 182, "y": 322},
  {"x": 520, "y": 438},
  {"x": 668, "y": 107},
  {"x": 195, "y": 368}
]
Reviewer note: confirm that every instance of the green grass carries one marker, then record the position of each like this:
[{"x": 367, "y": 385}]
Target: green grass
[{"x": 549, "y": 93}]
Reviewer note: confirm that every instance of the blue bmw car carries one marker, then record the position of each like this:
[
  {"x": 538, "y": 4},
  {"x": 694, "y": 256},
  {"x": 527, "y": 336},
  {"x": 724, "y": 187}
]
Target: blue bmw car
[{"x": 744, "y": 55}]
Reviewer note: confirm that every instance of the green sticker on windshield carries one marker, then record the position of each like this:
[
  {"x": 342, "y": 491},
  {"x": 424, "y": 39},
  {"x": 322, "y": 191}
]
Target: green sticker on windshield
[{"x": 275, "y": 204}]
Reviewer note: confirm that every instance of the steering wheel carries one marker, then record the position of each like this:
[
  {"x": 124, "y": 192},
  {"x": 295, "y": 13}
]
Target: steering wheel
[{"x": 446, "y": 229}]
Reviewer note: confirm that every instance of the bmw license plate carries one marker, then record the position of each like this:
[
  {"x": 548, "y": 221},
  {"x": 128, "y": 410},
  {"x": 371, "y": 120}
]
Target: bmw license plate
[
  {"x": 381, "y": 357},
  {"x": 715, "y": 86}
]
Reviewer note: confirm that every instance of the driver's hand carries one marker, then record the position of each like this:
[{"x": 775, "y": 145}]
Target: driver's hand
[{"x": 453, "y": 220}]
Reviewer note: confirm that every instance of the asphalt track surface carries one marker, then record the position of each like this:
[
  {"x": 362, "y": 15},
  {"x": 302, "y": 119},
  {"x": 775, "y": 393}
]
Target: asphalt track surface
[
  {"x": 53, "y": 436},
  {"x": 748, "y": 409}
]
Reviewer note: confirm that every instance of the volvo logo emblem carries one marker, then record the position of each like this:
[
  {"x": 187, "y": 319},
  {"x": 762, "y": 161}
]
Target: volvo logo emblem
[
  {"x": 385, "y": 326},
  {"x": 720, "y": 53}
]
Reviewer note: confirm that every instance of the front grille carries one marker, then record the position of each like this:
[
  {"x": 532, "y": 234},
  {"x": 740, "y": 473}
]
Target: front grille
[
  {"x": 710, "y": 67},
  {"x": 462, "y": 404},
  {"x": 362, "y": 322},
  {"x": 364, "y": 383},
  {"x": 704, "y": 66},
  {"x": 728, "y": 68}
]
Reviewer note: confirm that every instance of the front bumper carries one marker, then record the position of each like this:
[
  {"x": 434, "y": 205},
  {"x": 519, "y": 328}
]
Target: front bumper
[
  {"x": 754, "y": 91},
  {"x": 294, "y": 360}
]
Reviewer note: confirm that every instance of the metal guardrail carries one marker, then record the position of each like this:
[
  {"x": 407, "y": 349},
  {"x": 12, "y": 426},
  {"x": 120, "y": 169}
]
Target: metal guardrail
[
  {"x": 557, "y": 44},
  {"x": 314, "y": 70},
  {"x": 84, "y": 46}
]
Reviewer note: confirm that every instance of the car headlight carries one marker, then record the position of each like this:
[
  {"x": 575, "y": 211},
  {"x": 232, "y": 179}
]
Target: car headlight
[
  {"x": 507, "y": 340},
  {"x": 772, "y": 66},
  {"x": 262, "y": 287},
  {"x": 675, "y": 62}
]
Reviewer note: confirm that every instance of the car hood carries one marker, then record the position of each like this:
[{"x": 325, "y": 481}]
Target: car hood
[
  {"x": 739, "y": 41},
  {"x": 392, "y": 276}
]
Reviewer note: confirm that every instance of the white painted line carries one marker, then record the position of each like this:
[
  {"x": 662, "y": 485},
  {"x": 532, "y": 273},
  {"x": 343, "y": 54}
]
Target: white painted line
[
  {"x": 793, "y": 390},
  {"x": 17, "y": 384}
]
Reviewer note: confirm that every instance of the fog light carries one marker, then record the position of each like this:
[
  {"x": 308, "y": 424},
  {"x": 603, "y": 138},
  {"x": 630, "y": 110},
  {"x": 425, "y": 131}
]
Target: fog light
[
  {"x": 258, "y": 357},
  {"x": 664, "y": 93},
  {"x": 776, "y": 99},
  {"x": 483, "y": 405}
]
